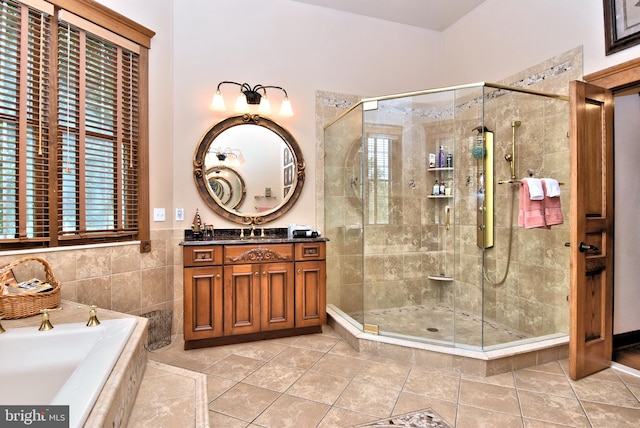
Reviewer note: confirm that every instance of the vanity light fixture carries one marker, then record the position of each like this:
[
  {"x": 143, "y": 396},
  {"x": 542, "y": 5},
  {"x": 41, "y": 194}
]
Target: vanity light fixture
[
  {"x": 223, "y": 154},
  {"x": 252, "y": 96}
]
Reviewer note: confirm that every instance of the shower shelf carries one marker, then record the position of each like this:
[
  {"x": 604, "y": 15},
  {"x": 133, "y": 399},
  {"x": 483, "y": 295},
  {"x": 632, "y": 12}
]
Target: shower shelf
[
  {"x": 439, "y": 196},
  {"x": 440, "y": 278},
  {"x": 450, "y": 168}
]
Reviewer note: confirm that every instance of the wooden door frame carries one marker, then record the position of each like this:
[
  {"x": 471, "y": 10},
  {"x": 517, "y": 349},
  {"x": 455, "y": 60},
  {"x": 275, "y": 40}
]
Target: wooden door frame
[{"x": 617, "y": 78}]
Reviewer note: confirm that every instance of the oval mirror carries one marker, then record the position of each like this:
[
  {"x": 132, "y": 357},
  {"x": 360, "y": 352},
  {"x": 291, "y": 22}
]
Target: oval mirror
[{"x": 249, "y": 155}]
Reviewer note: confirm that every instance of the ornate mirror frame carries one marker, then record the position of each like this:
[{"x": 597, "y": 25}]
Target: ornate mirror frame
[{"x": 229, "y": 213}]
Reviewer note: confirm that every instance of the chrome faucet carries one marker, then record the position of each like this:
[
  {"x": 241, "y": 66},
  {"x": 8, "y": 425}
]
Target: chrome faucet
[{"x": 93, "y": 315}]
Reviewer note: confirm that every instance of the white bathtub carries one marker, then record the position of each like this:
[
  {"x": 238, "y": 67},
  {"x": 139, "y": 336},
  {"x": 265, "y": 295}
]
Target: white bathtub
[{"x": 64, "y": 366}]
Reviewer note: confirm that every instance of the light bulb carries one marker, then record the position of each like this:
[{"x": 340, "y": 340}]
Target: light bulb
[
  {"x": 241, "y": 104},
  {"x": 217, "y": 103},
  {"x": 265, "y": 105},
  {"x": 285, "y": 108}
]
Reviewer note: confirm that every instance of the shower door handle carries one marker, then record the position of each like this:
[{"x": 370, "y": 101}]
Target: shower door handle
[
  {"x": 584, "y": 247},
  {"x": 447, "y": 217}
]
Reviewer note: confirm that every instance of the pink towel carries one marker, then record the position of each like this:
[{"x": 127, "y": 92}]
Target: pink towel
[
  {"x": 531, "y": 213},
  {"x": 552, "y": 209}
]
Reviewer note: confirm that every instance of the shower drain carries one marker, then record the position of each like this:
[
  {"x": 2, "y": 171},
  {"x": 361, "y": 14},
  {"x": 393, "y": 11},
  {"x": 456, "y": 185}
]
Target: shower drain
[{"x": 432, "y": 329}]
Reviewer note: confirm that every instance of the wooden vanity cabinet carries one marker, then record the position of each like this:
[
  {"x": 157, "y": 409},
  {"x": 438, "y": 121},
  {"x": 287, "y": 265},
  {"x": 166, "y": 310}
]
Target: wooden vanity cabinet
[
  {"x": 310, "y": 295},
  {"x": 202, "y": 292},
  {"x": 254, "y": 291}
]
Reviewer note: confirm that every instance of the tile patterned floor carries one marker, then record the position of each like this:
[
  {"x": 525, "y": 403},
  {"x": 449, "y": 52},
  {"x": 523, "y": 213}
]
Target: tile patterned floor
[{"x": 320, "y": 381}]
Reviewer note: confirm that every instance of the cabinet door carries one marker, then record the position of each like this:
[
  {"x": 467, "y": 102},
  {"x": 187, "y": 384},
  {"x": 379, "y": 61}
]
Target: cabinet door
[
  {"x": 311, "y": 294},
  {"x": 277, "y": 289},
  {"x": 241, "y": 299},
  {"x": 202, "y": 302}
]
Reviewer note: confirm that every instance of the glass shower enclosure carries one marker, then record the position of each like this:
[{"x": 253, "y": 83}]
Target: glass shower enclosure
[{"x": 424, "y": 210}]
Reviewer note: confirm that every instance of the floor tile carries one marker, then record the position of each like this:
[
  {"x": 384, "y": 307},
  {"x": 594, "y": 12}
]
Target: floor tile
[
  {"x": 337, "y": 365},
  {"x": 613, "y": 393},
  {"x": 274, "y": 376},
  {"x": 316, "y": 342},
  {"x": 431, "y": 384},
  {"x": 292, "y": 412},
  {"x": 319, "y": 387},
  {"x": 489, "y": 397},
  {"x": 244, "y": 401},
  {"x": 469, "y": 416},
  {"x": 337, "y": 417},
  {"x": 603, "y": 415},
  {"x": 235, "y": 367},
  {"x": 220, "y": 420},
  {"x": 544, "y": 383},
  {"x": 552, "y": 408},
  {"x": 298, "y": 357},
  {"x": 383, "y": 375},
  {"x": 368, "y": 399}
]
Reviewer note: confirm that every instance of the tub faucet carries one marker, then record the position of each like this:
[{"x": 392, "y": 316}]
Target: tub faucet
[
  {"x": 93, "y": 315},
  {"x": 45, "y": 324}
]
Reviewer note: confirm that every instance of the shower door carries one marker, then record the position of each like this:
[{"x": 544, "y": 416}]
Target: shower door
[{"x": 409, "y": 217}]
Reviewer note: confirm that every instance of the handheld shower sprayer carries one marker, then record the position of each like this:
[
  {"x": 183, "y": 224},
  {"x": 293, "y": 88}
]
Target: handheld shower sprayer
[{"x": 511, "y": 157}]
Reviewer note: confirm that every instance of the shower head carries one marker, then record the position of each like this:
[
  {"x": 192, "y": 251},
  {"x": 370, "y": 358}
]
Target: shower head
[{"x": 515, "y": 123}]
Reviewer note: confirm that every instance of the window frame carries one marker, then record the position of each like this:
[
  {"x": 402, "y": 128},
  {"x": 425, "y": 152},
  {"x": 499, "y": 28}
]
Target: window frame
[{"x": 100, "y": 21}]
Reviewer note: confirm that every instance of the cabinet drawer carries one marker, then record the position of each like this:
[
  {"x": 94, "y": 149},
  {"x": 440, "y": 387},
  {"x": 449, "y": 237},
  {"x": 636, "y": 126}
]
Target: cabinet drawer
[
  {"x": 240, "y": 254},
  {"x": 310, "y": 251},
  {"x": 202, "y": 255}
]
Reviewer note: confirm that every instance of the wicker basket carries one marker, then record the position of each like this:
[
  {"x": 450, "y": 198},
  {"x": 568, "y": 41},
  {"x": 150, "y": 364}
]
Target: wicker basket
[{"x": 27, "y": 304}]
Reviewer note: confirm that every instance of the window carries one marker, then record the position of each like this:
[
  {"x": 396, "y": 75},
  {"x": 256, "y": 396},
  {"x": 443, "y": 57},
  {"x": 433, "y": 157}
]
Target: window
[
  {"x": 73, "y": 139},
  {"x": 379, "y": 149}
]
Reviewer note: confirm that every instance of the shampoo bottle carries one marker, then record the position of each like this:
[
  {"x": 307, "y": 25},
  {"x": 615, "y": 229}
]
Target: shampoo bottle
[
  {"x": 436, "y": 188},
  {"x": 441, "y": 158}
]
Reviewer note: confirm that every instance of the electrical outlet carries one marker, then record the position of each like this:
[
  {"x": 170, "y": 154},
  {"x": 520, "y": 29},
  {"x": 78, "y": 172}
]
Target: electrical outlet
[
  {"x": 179, "y": 214},
  {"x": 158, "y": 214}
]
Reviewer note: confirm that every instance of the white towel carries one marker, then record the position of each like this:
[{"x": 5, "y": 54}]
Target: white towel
[
  {"x": 553, "y": 187},
  {"x": 535, "y": 188}
]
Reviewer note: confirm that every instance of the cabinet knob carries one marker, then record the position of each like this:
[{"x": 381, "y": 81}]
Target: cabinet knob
[
  {"x": 217, "y": 275},
  {"x": 264, "y": 272},
  {"x": 299, "y": 270},
  {"x": 255, "y": 273}
]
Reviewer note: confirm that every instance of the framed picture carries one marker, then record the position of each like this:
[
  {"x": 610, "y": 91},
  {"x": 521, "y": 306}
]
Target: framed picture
[{"x": 621, "y": 24}]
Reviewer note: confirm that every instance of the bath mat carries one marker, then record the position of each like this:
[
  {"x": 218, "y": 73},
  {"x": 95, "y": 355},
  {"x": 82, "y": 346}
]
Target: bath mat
[{"x": 420, "y": 419}]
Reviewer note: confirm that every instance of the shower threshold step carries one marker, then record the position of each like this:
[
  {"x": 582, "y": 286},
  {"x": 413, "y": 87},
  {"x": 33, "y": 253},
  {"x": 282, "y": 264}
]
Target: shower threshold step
[{"x": 440, "y": 278}]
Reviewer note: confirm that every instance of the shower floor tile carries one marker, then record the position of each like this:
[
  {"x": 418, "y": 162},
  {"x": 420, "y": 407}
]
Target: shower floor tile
[{"x": 439, "y": 323}]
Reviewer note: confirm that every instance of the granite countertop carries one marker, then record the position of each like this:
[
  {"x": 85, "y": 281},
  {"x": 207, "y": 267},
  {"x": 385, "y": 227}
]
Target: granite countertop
[
  {"x": 247, "y": 240},
  {"x": 232, "y": 237}
]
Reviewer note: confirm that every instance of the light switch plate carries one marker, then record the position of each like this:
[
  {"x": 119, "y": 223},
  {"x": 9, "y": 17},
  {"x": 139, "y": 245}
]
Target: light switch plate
[
  {"x": 179, "y": 214},
  {"x": 158, "y": 214}
]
